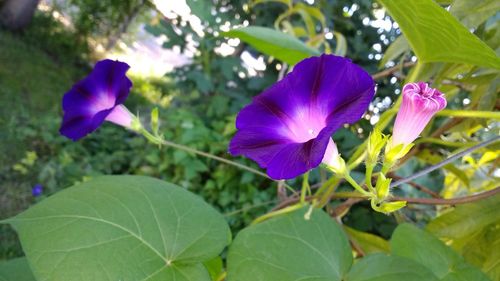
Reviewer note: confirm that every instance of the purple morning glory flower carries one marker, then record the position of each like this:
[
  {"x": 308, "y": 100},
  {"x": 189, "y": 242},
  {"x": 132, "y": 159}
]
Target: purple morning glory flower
[
  {"x": 97, "y": 98},
  {"x": 287, "y": 128},
  {"x": 37, "y": 190}
]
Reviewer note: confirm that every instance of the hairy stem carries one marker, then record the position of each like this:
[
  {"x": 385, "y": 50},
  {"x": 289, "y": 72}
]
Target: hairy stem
[
  {"x": 161, "y": 141},
  {"x": 277, "y": 213},
  {"x": 368, "y": 176}
]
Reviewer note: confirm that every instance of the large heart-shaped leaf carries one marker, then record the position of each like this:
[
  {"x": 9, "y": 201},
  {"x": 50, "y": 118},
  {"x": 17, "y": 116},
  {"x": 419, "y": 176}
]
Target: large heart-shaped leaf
[
  {"x": 274, "y": 43},
  {"x": 290, "y": 248},
  {"x": 16, "y": 270},
  {"x": 380, "y": 267},
  {"x": 368, "y": 242},
  {"x": 121, "y": 228},
  {"x": 422, "y": 247},
  {"x": 436, "y": 36}
]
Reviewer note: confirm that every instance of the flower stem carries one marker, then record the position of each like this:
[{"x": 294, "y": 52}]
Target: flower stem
[
  {"x": 368, "y": 176},
  {"x": 386, "y": 167},
  {"x": 331, "y": 188},
  {"x": 356, "y": 186},
  {"x": 305, "y": 188},
  {"x": 326, "y": 185},
  {"x": 160, "y": 141},
  {"x": 277, "y": 213}
]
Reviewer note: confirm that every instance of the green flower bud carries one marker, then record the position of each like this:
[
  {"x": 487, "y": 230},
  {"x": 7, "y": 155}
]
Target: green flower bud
[
  {"x": 375, "y": 144},
  {"x": 154, "y": 121}
]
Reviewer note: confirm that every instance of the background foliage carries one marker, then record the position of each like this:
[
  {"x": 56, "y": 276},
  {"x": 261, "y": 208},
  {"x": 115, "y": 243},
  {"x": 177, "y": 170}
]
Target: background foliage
[{"x": 198, "y": 103}]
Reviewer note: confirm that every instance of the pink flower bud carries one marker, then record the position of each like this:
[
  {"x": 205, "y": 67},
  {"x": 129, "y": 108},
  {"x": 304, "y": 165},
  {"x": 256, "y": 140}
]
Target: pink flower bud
[{"x": 420, "y": 103}]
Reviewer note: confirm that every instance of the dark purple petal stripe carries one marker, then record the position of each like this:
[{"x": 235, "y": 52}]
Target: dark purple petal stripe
[
  {"x": 92, "y": 99},
  {"x": 286, "y": 129}
]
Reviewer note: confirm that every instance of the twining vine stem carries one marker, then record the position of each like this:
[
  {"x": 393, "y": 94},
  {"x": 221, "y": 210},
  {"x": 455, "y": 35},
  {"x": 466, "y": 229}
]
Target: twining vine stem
[
  {"x": 425, "y": 201},
  {"x": 451, "y": 201},
  {"x": 389, "y": 71},
  {"x": 415, "y": 185},
  {"x": 161, "y": 141},
  {"x": 445, "y": 162}
]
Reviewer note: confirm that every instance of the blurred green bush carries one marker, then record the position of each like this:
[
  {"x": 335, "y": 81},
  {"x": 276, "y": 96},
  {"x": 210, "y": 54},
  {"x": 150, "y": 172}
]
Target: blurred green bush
[{"x": 198, "y": 104}]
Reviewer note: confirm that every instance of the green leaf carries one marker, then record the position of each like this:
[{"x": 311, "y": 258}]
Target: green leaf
[
  {"x": 483, "y": 250},
  {"x": 290, "y": 248},
  {"x": 428, "y": 156},
  {"x": 368, "y": 242},
  {"x": 436, "y": 36},
  {"x": 466, "y": 220},
  {"x": 411, "y": 242},
  {"x": 380, "y": 267},
  {"x": 215, "y": 268},
  {"x": 341, "y": 44},
  {"x": 121, "y": 228},
  {"x": 396, "y": 49},
  {"x": 201, "y": 9},
  {"x": 474, "y": 231},
  {"x": 473, "y": 13},
  {"x": 274, "y": 43},
  {"x": 16, "y": 270}
]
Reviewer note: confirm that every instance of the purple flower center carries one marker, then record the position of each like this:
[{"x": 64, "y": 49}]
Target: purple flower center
[{"x": 305, "y": 125}]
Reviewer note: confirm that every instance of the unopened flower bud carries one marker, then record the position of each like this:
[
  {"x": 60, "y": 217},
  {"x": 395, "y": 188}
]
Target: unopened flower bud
[
  {"x": 420, "y": 103},
  {"x": 376, "y": 142}
]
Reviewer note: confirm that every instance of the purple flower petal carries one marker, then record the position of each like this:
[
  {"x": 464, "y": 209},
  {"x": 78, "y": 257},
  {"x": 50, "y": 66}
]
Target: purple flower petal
[
  {"x": 37, "y": 190},
  {"x": 286, "y": 129},
  {"x": 95, "y": 98},
  {"x": 260, "y": 144}
]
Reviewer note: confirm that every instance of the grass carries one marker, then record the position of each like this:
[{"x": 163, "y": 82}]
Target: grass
[{"x": 31, "y": 86}]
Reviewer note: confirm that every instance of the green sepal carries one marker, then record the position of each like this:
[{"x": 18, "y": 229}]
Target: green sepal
[
  {"x": 136, "y": 124},
  {"x": 382, "y": 187},
  {"x": 338, "y": 167},
  {"x": 388, "y": 207},
  {"x": 394, "y": 153}
]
